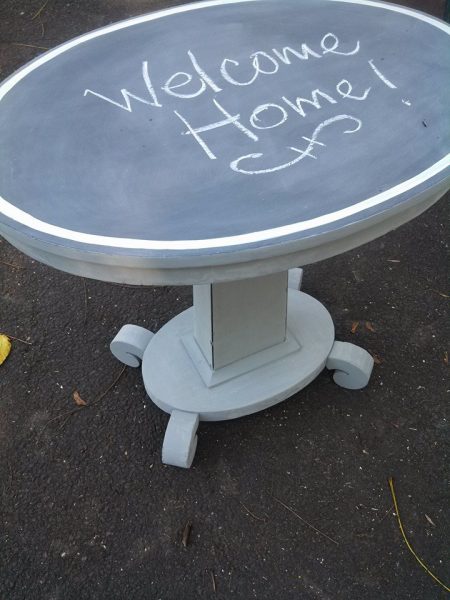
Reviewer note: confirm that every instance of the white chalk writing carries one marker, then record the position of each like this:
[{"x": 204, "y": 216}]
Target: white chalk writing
[
  {"x": 229, "y": 120},
  {"x": 169, "y": 86},
  {"x": 268, "y": 115},
  {"x": 298, "y": 105},
  {"x": 285, "y": 54},
  {"x": 335, "y": 44},
  {"x": 262, "y": 108},
  {"x": 262, "y": 63},
  {"x": 301, "y": 154},
  {"x": 379, "y": 74}
]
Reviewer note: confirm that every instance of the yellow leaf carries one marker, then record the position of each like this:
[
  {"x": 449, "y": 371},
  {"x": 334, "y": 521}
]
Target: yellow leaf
[{"x": 5, "y": 348}]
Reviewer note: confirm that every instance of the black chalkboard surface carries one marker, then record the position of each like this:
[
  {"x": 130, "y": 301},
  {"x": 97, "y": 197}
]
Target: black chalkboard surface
[{"x": 226, "y": 126}]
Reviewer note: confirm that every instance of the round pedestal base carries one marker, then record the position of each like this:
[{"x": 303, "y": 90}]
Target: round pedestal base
[{"x": 174, "y": 383}]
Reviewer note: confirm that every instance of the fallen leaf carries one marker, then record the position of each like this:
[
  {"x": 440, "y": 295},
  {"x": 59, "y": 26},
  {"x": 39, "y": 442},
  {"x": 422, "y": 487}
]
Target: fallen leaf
[
  {"x": 376, "y": 359},
  {"x": 355, "y": 326},
  {"x": 5, "y": 348},
  {"x": 78, "y": 399},
  {"x": 370, "y": 327},
  {"x": 429, "y": 520},
  {"x": 446, "y": 358},
  {"x": 186, "y": 534},
  {"x": 213, "y": 579},
  {"x": 441, "y": 293}
]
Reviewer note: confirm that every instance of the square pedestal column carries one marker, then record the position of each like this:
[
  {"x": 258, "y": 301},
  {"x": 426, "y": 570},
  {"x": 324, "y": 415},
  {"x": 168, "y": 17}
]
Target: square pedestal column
[{"x": 236, "y": 319}]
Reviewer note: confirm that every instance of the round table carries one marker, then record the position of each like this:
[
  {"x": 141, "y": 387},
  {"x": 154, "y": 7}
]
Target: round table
[{"x": 221, "y": 144}]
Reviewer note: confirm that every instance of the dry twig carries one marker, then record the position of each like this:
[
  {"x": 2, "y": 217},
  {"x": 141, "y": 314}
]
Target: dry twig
[
  {"x": 408, "y": 545},
  {"x": 250, "y": 513},
  {"x": 11, "y": 337},
  {"x": 389, "y": 510},
  {"x": 304, "y": 521},
  {"x": 69, "y": 413},
  {"x": 30, "y": 46},
  {"x": 3, "y": 262},
  {"x": 85, "y": 301},
  {"x": 35, "y": 16}
]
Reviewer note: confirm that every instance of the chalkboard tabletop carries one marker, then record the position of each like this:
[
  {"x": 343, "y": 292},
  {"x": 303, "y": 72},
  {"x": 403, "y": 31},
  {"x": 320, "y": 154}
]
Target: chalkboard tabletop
[{"x": 226, "y": 131}]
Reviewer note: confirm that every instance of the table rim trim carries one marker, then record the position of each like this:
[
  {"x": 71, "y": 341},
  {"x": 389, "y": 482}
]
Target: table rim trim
[{"x": 24, "y": 218}]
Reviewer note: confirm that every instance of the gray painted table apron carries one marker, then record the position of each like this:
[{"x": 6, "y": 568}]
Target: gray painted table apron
[{"x": 220, "y": 145}]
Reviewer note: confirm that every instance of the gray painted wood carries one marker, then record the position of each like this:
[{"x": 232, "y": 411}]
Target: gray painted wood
[
  {"x": 295, "y": 278},
  {"x": 130, "y": 343},
  {"x": 239, "y": 318},
  {"x": 180, "y": 440},
  {"x": 190, "y": 388},
  {"x": 144, "y": 271},
  {"x": 351, "y": 364},
  {"x": 99, "y": 158},
  {"x": 203, "y": 327},
  {"x": 175, "y": 385}
]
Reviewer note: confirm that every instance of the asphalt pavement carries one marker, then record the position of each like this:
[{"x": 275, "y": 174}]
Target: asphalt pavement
[{"x": 292, "y": 502}]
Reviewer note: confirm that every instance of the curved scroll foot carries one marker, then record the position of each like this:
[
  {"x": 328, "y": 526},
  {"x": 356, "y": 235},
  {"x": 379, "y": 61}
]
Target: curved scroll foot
[
  {"x": 295, "y": 277},
  {"x": 180, "y": 441},
  {"x": 130, "y": 343},
  {"x": 352, "y": 365}
]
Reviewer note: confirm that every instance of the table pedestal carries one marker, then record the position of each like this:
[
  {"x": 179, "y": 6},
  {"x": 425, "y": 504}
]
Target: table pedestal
[{"x": 242, "y": 347}]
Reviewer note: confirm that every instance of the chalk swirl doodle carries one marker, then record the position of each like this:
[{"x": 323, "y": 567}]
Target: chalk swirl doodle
[{"x": 301, "y": 154}]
